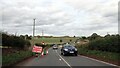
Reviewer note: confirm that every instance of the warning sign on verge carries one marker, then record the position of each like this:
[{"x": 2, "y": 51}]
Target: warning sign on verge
[{"x": 37, "y": 49}]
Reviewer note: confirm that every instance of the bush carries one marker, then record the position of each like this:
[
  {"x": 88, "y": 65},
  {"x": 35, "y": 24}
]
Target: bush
[
  {"x": 14, "y": 41},
  {"x": 110, "y": 44}
]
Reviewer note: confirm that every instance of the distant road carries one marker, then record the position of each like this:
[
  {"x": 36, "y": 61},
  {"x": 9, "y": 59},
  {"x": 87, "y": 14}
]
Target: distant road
[{"x": 55, "y": 59}]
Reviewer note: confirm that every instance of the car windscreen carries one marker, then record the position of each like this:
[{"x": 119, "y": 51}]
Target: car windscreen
[
  {"x": 69, "y": 46},
  {"x": 55, "y": 46}
]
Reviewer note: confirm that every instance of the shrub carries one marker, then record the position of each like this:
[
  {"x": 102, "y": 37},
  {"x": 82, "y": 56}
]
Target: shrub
[
  {"x": 14, "y": 41},
  {"x": 110, "y": 44}
]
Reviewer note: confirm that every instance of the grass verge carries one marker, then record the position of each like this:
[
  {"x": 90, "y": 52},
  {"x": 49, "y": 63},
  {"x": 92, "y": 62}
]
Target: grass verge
[
  {"x": 13, "y": 58},
  {"x": 100, "y": 55}
]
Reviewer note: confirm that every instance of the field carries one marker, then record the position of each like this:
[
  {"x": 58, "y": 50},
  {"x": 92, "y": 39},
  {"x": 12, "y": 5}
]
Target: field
[{"x": 53, "y": 40}]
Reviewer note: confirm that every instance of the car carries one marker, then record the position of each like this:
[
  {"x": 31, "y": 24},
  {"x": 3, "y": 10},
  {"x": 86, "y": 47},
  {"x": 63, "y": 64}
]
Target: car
[
  {"x": 69, "y": 50},
  {"x": 55, "y": 47}
]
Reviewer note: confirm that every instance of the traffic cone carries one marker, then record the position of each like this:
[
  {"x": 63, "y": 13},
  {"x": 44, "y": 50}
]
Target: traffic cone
[
  {"x": 42, "y": 54},
  {"x": 47, "y": 52}
]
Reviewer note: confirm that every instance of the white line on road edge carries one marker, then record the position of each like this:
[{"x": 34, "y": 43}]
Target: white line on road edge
[
  {"x": 99, "y": 60},
  {"x": 64, "y": 60}
]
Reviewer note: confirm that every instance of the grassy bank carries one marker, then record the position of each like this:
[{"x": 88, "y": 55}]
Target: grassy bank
[
  {"x": 10, "y": 59},
  {"x": 101, "y": 55}
]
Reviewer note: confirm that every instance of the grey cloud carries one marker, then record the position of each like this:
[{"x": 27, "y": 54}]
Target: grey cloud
[{"x": 55, "y": 18}]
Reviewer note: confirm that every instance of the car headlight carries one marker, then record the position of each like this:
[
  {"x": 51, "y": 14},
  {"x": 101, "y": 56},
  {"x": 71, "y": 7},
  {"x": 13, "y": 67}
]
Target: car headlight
[
  {"x": 75, "y": 49},
  {"x": 66, "y": 49}
]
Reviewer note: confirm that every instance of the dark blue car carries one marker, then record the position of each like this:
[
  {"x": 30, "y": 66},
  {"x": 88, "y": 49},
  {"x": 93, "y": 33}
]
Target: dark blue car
[{"x": 69, "y": 50}]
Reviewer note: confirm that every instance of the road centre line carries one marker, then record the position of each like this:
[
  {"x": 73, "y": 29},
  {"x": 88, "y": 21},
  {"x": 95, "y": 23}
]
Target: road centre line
[
  {"x": 99, "y": 61},
  {"x": 64, "y": 60}
]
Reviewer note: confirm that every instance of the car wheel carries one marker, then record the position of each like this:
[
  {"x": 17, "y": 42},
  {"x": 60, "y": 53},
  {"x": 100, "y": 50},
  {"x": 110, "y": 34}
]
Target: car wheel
[
  {"x": 64, "y": 54},
  {"x": 76, "y": 54},
  {"x": 61, "y": 53}
]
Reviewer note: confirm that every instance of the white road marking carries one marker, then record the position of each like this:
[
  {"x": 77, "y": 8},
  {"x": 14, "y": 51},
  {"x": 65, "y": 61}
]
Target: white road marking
[
  {"x": 60, "y": 59},
  {"x": 88, "y": 58},
  {"x": 64, "y": 60},
  {"x": 99, "y": 61}
]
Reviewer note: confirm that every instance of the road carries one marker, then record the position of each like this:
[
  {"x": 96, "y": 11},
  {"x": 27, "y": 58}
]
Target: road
[{"x": 54, "y": 58}]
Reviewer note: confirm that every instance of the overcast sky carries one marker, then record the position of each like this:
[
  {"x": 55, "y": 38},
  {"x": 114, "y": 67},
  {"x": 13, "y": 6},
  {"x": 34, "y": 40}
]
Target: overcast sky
[{"x": 60, "y": 17}]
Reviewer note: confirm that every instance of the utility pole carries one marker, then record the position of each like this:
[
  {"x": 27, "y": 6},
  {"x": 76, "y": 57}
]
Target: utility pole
[
  {"x": 42, "y": 33},
  {"x": 33, "y": 28}
]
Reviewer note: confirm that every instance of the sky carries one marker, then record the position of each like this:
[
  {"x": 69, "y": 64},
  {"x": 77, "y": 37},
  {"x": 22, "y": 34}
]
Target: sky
[{"x": 59, "y": 17}]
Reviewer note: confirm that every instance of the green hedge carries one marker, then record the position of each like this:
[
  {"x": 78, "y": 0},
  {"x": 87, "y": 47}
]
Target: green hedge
[
  {"x": 14, "y": 41},
  {"x": 109, "y": 44}
]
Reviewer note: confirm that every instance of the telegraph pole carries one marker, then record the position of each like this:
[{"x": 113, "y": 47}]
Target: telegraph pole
[
  {"x": 33, "y": 28},
  {"x": 42, "y": 33}
]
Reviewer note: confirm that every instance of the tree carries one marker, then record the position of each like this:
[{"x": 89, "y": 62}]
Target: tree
[
  {"x": 109, "y": 44},
  {"x": 60, "y": 40},
  {"x": 38, "y": 36},
  {"x": 21, "y": 36},
  {"x": 26, "y": 36},
  {"x": 108, "y": 35},
  {"x": 70, "y": 40},
  {"x": 14, "y": 41},
  {"x": 83, "y": 37},
  {"x": 94, "y": 36}
]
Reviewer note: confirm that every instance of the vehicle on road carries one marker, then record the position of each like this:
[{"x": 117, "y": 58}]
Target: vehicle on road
[
  {"x": 55, "y": 46},
  {"x": 69, "y": 50}
]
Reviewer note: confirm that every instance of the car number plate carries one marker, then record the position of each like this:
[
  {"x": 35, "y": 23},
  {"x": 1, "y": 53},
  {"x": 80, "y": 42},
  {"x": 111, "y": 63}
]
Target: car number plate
[{"x": 71, "y": 52}]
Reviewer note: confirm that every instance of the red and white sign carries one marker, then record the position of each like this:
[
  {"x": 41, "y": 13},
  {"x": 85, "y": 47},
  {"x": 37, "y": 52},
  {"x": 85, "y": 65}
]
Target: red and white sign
[{"x": 37, "y": 49}]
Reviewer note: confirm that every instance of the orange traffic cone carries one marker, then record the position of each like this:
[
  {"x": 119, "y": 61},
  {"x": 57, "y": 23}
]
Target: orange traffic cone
[
  {"x": 47, "y": 52},
  {"x": 42, "y": 54}
]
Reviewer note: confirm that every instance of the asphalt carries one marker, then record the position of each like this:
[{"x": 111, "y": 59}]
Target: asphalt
[{"x": 54, "y": 58}]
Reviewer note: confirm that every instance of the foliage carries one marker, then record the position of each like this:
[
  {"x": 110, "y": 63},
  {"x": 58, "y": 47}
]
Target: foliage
[
  {"x": 60, "y": 40},
  {"x": 106, "y": 48},
  {"x": 94, "y": 36},
  {"x": 14, "y": 41},
  {"x": 110, "y": 44},
  {"x": 26, "y": 37},
  {"x": 15, "y": 57},
  {"x": 83, "y": 37}
]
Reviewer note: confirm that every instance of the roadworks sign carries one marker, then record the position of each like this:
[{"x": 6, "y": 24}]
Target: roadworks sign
[{"x": 37, "y": 49}]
